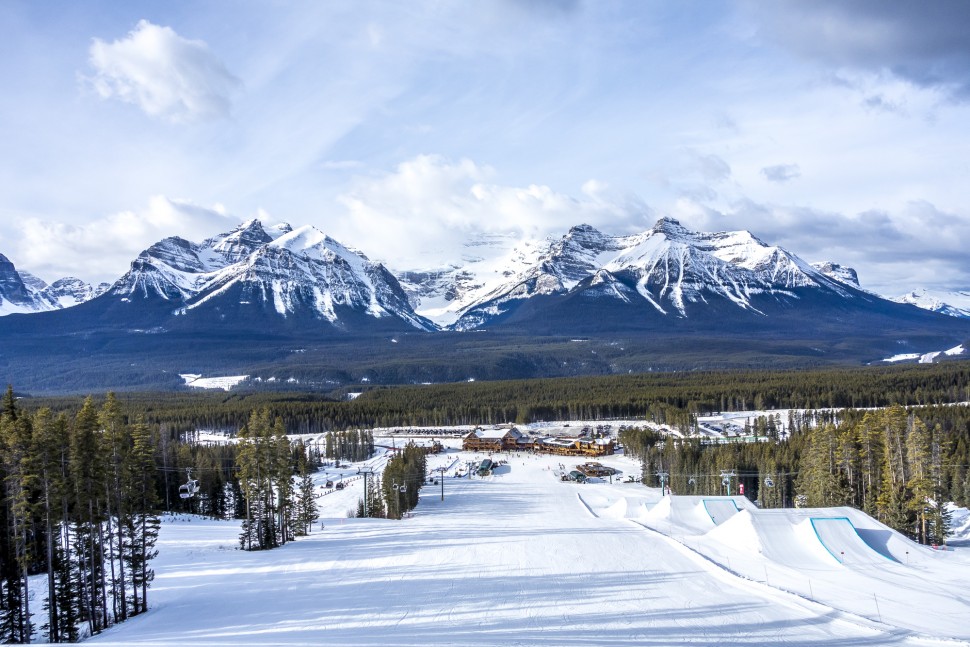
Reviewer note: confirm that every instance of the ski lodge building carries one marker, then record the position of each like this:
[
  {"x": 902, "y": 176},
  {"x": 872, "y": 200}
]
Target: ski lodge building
[
  {"x": 494, "y": 440},
  {"x": 511, "y": 439}
]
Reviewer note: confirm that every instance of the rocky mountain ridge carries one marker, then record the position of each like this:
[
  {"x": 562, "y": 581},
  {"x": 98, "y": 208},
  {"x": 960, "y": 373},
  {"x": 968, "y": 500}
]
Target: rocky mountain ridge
[{"x": 303, "y": 272}]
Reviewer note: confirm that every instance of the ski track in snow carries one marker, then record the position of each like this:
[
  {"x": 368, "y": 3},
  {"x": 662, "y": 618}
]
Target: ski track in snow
[{"x": 520, "y": 558}]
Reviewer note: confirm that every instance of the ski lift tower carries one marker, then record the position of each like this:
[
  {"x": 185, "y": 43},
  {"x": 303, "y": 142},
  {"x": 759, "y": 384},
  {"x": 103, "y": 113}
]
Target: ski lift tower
[
  {"x": 441, "y": 477},
  {"x": 726, "y": 476},
  {"x": 399, "y": 489},
  {"x": 365, "y": 472}
]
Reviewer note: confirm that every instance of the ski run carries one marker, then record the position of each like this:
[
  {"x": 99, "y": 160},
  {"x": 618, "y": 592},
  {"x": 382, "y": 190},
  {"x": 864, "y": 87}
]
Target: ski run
[{"x": 521, "y": 557}]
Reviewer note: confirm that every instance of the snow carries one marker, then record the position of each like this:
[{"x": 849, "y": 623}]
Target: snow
[
  {"x": 225, "y": 383},
  {"x": 670, "y": 263},
  {"x": 926, "y": 358},
  {"x": 521, "y": 558},
  {"x": 903, "y": 357},
  {"x": 954, "y": 304}
]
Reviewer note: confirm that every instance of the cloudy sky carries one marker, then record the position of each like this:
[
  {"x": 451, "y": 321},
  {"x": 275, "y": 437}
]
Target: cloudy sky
[{"x": 839, "y": 129}]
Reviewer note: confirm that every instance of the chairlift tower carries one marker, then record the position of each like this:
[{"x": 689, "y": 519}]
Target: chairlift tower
[
  {"x": 441, "y": 477},
  {"x": 663, "y": 482},
  {"x": 399, "y": 489},
  {"x": 726, "y": 476},
  {"x": 365, "y": 472}
]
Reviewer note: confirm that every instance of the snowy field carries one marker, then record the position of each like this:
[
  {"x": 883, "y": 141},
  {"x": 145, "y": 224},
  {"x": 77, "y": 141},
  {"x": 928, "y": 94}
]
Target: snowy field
[{"x": 521, "y": 558}]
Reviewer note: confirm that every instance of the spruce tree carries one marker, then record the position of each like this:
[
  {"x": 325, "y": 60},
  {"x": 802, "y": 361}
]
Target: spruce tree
[
  {"x": 306, "y": 502},
  {"x": 18, "y": 513},
  {"x": 920, "y": 485},
  {"x": 142, "y": 523},
  {"x": 88, "y": 473},
  {"x": 116, "y": 440},
  {"x": 818, "y": 479}
]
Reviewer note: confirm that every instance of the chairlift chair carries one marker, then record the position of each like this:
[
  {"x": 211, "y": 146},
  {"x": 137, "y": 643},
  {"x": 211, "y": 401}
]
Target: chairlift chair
[{"x": 188, "y": 489}]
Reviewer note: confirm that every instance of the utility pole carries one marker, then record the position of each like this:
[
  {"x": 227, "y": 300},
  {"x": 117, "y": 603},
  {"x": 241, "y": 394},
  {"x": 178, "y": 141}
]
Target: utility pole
[{"x": 364, "y": 472}]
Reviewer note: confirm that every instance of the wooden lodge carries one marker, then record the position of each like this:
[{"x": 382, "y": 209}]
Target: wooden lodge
[
  {"x": 511, "y": 439},
  {"x": 493, "y": 440},
  {"x": 575, "y": 446}
]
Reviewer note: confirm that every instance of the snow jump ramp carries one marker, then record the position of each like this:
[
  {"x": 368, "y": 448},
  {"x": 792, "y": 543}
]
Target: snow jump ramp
[
  {"x": 841, "y": 539},
  {"x": 805, "y": 539},
  {"x": 696, "y": 514}
]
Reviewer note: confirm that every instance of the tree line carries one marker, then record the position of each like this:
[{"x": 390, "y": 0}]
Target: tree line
[
  {"x": 895, "y": 464},
  {"x": 79, "y": 506},
  {"x": 666, "y": 398}
]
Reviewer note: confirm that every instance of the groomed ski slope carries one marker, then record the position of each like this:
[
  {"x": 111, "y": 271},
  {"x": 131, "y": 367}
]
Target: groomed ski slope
[{"x": 521, "y": 558}]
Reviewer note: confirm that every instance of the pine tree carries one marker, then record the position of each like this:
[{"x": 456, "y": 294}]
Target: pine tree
[
  {"x": 117, "y": 440},
  {"x": 920, "y": 485},
  {"x": 282, "y": 485},
  {"x": 818, "y": 479},
  {"x": 47, "y": 447},
  {"x": 18, "y": 513},
  {"x": 87, "y": 472},
  {"x": 306, "y": 502},
  {"x": 142, "y": 523},
  {"x": 260, "y": 462},
  {"x": 871, "y": 446}
]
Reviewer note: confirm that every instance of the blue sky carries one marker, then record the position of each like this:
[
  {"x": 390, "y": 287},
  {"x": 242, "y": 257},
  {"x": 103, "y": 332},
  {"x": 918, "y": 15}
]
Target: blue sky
[{"x": 838, "y": 130}]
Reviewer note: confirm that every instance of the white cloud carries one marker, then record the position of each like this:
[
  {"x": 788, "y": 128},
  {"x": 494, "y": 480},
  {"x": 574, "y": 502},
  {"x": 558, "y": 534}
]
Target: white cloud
[
  {"x": 101, "y": 250},
  {"x": 423, "y": 213},
  {"x": 164, "y": 74}
]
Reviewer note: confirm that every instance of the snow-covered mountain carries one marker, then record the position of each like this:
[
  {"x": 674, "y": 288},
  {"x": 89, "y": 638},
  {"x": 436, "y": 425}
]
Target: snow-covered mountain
[
  {"x": 259, "y": 300},
  {"x": 250, "y": 271},
  {"x": 954, "y": 304},
  {"x": 15, "y": 294},
  {"x": 22, "y": 292},
  {"x": 487, "y": 262},
  {"x": 838, "y": 272},
  {"x": 679, "y": 273}
]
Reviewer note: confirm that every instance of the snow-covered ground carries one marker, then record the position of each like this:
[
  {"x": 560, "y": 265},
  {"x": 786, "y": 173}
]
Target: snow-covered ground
[
  {"x": 522, "y": 558},
  {"x": 226, "y": 383}
]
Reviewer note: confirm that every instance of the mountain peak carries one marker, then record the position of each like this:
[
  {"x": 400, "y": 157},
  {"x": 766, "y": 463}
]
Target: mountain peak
[
  {"x": 241, "y": 241},
  {"x": 582, "y": 229},
  {"x": 251, "y": 228},
  {"x": 838, "y": 272},
  {"x": 12, "y": 288},
  {"x": 670, "y": 227}
]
